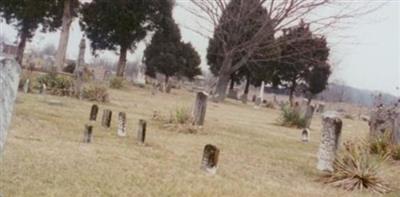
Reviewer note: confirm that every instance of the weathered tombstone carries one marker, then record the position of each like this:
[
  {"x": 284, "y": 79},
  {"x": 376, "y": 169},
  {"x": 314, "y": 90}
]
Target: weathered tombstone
[
  {"x": 79, "y": 69},
  {"x": 330, "y": 136},
  {"x": 379, "y": 123},
  {"x": 141, "y": 133},
  {"x": 209, "y": 161},
  {"x": 26, "y": 86},
  {"x": 305, "y": 134},
  {"x": 121, "y": 124},
  {"x": 93, "y": 112},
  {"x": 199, "y": 109},
  {"x": 43, "y": 89},
  {"x": 140, "y": 78},
  {"x": 9, "y": 80},
  {"x": 243, "y": 98},
  {"x": 87, "y": 133},
  {"x": 308, "y": 114},
  {"x": 106, "y": 120},
  {"x": 260, "y": 98}
]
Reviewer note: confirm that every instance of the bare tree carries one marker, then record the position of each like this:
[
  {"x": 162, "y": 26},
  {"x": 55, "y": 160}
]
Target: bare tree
[{"x": 281, "y": 14}]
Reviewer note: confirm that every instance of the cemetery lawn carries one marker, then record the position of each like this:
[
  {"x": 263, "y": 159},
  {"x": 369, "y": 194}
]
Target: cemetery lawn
[{"x": 44, "y": 154}]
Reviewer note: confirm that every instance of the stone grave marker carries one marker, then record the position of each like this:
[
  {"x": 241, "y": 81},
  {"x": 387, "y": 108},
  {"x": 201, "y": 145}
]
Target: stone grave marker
[
  {"x": 9, "y": 79},
  {"x": 106, "y": 120},
  {"x": 121, "y": 124},
  {"x": 209, "y": 161},
  {"x": 330, "y": 136}
]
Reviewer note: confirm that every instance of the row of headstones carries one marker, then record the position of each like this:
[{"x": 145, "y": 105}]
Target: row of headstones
[{"x": 106, "y": 123}]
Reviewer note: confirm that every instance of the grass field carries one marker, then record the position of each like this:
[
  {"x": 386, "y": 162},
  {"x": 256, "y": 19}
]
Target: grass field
[{"x": 44, "y": 155}]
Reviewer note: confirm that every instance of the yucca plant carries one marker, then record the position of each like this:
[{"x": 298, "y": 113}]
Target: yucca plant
[
  {"x": 291, "y": 118},
  {"x": 356, "y": 169},
  {"x": 381, "y": 145},
  {"x": 395, "y": 152}
]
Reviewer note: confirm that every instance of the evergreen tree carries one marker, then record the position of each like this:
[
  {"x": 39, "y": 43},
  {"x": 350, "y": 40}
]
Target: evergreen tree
[{"x": 121, "y": 24}]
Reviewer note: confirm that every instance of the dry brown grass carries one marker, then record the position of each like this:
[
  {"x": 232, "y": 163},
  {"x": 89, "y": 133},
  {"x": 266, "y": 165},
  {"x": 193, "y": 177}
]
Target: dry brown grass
[{"x": 44, "y": 155}]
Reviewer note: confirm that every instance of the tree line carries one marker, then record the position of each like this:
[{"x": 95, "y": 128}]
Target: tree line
[
  {"x": 109, "y": 25},
  {"x": 252, "y": 40}
]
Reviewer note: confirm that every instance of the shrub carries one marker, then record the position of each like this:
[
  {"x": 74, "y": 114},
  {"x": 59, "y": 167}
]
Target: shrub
[
  {"x": 355, "y": 169},
  {"x": 56, "y": 84},
  {"x": 291, "y": 118},
  {"x": 182, "y": 115},
  {"x": 380, "y": 145},
  {"x": 117, "y": 83},
  {"x": 95, "y": 93}
]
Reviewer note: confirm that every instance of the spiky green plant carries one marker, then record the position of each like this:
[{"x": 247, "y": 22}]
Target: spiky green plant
[
  {"x": 356, "y": 169},
  {"x": 291, "y": 118}
]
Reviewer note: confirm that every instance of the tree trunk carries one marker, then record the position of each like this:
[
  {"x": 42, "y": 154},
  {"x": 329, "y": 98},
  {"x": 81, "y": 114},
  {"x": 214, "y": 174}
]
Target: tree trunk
[
  {"x": 223, "y": 80},
  {"x": 122, "y": 61},
  {"x": 64, "y": 36},
  {"x": 21, "y": 47},
  {"x": 291, "y": 92},
  {"x": 246, "y": 88},
  {"x": 232, "y": 84}
]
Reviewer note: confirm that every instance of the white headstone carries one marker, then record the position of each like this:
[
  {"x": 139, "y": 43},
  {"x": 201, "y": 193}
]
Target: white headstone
[
  {"x": 9, "y": 79},
  {"x": 140, "y": 78}
]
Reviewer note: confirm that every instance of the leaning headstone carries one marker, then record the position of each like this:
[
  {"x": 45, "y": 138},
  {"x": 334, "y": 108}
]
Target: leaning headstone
[
  {"x": 305, "y": 135},
  {"x": 330, "y": 136},
  {"x": 121, "y": 124},
  {"x": 199, "y": 109},
  {"x": 87, "y": 134},
  {"x": 106, "y": 120},
  {"x": 209, "y": 161},
  {"x": 141, "y": 133},
  {"x": 93, "y": 112},
  {"x": 9, "y": 80}
]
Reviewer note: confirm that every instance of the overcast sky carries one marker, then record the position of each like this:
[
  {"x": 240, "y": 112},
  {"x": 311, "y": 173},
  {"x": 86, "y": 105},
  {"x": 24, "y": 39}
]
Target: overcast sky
[{"x": 365, "y": 55}]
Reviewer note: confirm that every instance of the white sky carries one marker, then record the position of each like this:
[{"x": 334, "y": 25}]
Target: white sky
[{"x": 368, "y": 57}]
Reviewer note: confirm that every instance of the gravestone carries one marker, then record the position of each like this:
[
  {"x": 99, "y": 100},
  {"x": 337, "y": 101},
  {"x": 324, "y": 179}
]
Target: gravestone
[
  {"x": 78, "y": 82},
  {"x": 243, "y": 98},
  {"x": 305, "y": 135},
  {"x": 121, "y": 124},
  {"x": 26, "y": 86},
  {"x": 43, "y": 89},
  {"x": 140, "y": 78},
  {"x": 199, "y": 109},
  {"x": 93, "y": 112},
  {"x": 87, "y": 134},
  {"x": 396, "y": 130},
  {"x": 308, "y": 114},
  {"x": 330, "y": 136},
  {"x": 106, "y": 120},
  {"x": 141, "y": 133},
  {"x": 209, "y": 161},
  {"x": 9, "y": 80},
  {"x": 260, "y": 98}
]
